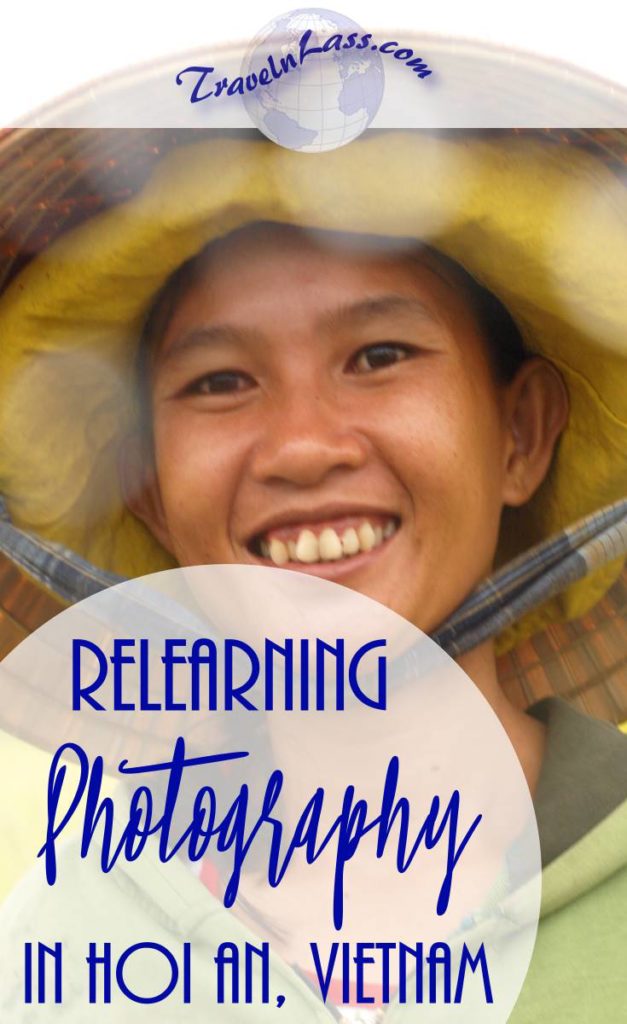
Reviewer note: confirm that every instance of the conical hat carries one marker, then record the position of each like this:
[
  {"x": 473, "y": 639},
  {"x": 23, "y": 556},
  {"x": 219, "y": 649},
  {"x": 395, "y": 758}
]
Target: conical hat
[{"x": 539, "y": 221}]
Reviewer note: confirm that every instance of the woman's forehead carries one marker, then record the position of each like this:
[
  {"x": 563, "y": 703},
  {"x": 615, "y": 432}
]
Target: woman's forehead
[
  {"x": 258, "y": 268},
  {"x": 263, "y": 267}
]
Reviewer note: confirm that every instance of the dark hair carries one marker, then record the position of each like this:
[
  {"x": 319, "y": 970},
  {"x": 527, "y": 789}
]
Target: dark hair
[{"x": 506, "y": 348}]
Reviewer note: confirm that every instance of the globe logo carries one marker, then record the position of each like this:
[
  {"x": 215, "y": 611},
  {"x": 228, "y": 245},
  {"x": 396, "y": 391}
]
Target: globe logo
[{"x": 318, "y": 80}]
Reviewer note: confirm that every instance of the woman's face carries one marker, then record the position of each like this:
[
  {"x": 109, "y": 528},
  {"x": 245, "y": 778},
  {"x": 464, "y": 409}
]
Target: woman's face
[{"x": 334, "y": 414}]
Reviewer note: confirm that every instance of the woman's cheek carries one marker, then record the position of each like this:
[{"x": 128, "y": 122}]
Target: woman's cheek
[
  {"x": 193, "y": 445},
  {"x": 193, "y": 484}
]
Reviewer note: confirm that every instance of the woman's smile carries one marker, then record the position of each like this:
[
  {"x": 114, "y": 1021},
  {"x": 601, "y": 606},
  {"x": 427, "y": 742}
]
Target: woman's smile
[{"x": 320, "y": 537}]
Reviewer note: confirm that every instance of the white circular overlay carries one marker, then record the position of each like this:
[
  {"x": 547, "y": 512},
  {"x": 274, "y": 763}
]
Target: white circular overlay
[{"x": 292, "y": 769}]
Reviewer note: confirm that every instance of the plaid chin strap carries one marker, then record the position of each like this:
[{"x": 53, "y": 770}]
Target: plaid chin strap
[{"x": 517, "y": 588}]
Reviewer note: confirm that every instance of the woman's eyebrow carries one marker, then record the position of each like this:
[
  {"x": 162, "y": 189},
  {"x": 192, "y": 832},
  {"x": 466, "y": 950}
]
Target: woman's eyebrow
[
  {"x": 358, "y": 313},
  {"x": 354, "y": 314},
  {"x": 205, "y": 336}
]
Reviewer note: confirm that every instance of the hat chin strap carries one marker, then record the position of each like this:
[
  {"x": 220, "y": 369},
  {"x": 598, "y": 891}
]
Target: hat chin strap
[
  {"x": 56, "y": 567},
  {"x": 532, "y": 578},
  {"x": 517, "y": 588}
]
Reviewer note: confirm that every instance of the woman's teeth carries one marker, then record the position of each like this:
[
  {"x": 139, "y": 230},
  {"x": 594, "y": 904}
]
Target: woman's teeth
[{"x": 328, "y": 545}]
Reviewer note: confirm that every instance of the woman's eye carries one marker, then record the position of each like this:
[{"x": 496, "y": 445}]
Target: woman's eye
[
  {"x": 222, "y": 382},
  {"x": 376, "y": 357}
]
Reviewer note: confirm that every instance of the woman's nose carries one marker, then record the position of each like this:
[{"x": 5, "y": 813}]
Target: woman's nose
[{"x": 305, "y": 439}]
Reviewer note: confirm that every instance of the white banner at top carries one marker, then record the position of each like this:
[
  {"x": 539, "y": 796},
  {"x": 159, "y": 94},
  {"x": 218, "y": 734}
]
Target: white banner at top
[{"x": 547, "y": 66}]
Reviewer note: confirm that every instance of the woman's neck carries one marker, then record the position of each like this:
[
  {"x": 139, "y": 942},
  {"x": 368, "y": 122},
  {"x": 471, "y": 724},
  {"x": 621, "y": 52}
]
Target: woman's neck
[
  {"x": 526, "y": 734},
  {"x": 317, "y": 750}
]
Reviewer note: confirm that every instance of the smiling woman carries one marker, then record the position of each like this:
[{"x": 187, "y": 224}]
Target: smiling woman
[
  {"x": 306, "y": 402},
  {"x": 396, "y": 365}
]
